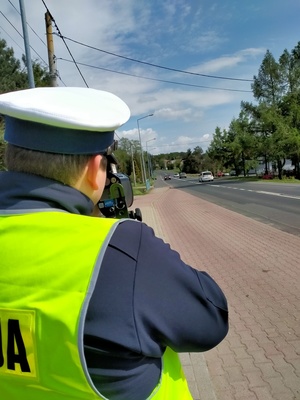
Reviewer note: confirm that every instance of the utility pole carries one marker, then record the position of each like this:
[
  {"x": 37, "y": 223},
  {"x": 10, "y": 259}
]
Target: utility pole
[
  {"x": 50, "y": 46},
  {"x": 142, "y": 154},
  {"x": 148, "y": 156},
  {"x": 132, "y": 162},
  {"x": 26, "y": 44}
]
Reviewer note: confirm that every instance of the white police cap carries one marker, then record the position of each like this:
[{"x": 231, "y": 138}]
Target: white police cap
[{"x": 65, "y": 120}]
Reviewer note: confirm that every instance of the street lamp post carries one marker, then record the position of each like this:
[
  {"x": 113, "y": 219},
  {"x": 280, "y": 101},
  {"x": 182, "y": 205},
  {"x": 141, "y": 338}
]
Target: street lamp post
[
  {"x": 142, "y": 155},
  {"x": 149, "y": 169}
]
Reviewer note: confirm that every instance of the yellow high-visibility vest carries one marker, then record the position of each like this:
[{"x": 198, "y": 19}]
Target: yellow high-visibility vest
[{"x": 49, "y": 266}]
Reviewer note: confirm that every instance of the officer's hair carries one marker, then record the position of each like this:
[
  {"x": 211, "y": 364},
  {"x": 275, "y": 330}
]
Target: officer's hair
[{"x": 65, "y": 168}]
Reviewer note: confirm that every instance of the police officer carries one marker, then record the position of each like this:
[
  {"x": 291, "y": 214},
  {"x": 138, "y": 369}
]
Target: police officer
[{"x": 90, "y": 308}]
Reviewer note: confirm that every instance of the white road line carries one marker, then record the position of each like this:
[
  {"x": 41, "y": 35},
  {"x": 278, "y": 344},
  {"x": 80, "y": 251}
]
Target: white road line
[
  {"x": 279, "y": 194},
  {"x": 259, "y": 191}
]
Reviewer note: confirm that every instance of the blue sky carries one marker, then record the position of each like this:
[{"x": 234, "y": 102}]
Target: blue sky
[{"x": 222, "y": 39}]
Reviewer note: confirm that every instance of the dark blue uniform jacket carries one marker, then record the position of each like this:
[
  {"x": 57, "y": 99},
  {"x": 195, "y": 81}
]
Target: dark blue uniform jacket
[{"x": 146, "y": 297}]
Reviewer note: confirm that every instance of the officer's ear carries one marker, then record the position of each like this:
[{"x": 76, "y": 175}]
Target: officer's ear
[{"x": 93, "y": 170}]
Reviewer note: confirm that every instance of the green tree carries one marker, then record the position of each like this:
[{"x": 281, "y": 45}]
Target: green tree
[
  {"x": 11, "y": 75},
  {"x": 220, "y": 150},
  {"x": 128, "y": 155},
  {"x": 14, "y": 77},
  {"x": 268, "y": 85},
  {"x": 269, "y": 88},
  {"x": 42, "y": 77},
  {"x": 192, "y": 161},
  {"x": 242, "y": 144},
  {"x": 262, "y": 126},
  {"x": 290, "y": 105},
  {"x": 198, "y": 154},
  {"x": 290, "y": 69}
]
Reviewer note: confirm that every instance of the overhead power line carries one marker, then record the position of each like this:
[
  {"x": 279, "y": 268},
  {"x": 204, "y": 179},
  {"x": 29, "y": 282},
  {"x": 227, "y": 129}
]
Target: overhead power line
[
  {"x": 60, "y": 35},
  {"x": 11, "y": 38},
  {"x": 22, "y": 48},
  {"x": 27, "y": 23},
  {"x": 20, "y": 34},
  {"x": 11, "y": 24},
  {"x": 156, "y": 65},
  {"x": 64, "y": 38},
  {"x": 158, "y": 80}
]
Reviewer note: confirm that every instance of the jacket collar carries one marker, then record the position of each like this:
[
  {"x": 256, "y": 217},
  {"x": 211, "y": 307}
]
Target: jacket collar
[{"x": 21, "y": 191}]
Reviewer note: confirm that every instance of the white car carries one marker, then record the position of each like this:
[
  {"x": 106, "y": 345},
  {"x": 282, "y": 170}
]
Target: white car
[{"x": 206, "y": 176}]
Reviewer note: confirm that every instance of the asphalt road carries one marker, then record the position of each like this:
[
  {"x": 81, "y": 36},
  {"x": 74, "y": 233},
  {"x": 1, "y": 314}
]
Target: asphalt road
[{"x": 269, "y": 202}]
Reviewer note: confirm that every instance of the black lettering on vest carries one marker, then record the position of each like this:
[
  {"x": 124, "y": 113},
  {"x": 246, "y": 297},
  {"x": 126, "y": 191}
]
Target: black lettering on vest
[
  {"x": 14, "y": 336},
  {"x": 1, "y": 348}
]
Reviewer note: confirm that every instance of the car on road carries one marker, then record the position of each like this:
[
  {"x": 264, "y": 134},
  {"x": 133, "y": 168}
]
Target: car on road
[
  {"x": 206, "y": 176},
  {"x": 167, "y": 177},
  {"x": 182, "y": 175},
  {"x": 176, "y": 175}
]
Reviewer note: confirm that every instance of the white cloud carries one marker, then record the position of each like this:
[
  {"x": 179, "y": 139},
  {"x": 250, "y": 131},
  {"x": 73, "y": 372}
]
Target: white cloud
[
  {"x": 133, "y": 134},
  {"x": 253, "y": 52},
  {"x": 227, "y": 62},
  {"x": 169, "y": 113},
  {"x": 204, "y": 41}
]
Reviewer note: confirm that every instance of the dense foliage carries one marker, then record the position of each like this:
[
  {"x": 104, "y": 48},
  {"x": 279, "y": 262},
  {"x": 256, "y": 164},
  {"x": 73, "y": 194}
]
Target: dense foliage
[
  {"x": 13, "y": 75},
  {"x": 270, "y": 129}
]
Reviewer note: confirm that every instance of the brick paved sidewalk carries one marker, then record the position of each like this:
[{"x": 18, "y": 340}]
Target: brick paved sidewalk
[{"x": 258, "y": 268}]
